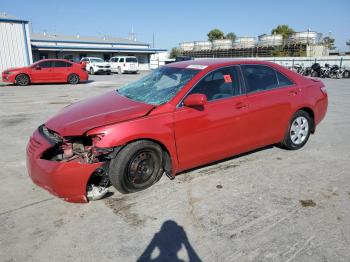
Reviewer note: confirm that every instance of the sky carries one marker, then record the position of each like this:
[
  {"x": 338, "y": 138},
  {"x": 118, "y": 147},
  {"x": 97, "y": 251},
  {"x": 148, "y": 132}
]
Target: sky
[{"x": 177, "y": 21}]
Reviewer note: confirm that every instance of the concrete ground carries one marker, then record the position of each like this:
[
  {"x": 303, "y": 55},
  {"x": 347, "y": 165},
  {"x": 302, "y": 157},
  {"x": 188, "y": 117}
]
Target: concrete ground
[{"x": 268, "y": 205}]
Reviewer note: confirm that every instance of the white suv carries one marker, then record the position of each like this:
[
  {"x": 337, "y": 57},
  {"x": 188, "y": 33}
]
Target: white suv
[
  {"x": 96, "y": 65},
  {"x": 122, "y": 64}
]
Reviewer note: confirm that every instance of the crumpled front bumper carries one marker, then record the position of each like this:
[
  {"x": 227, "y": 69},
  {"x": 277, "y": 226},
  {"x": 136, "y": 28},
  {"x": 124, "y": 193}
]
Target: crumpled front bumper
[{"x": 67, "y": 180}]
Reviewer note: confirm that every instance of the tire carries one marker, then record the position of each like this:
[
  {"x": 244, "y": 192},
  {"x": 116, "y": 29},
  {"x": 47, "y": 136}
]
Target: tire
[
  {"x": 73, "y": 79},
  {"x": 136, "y": 167},
  {"x": 22, "y": 80},
  {"x": 299, "y": 131},
  {"x": 346, "y": 74},
  {"x": 92, "y": 72}
]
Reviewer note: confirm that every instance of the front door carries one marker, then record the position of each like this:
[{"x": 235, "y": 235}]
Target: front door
[
  {"x": 217, "y": 130},
  {"x": 42, "y": 72}
]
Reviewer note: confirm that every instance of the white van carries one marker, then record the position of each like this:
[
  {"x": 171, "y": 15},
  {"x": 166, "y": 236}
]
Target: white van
[{"x": 123, "y": 64}]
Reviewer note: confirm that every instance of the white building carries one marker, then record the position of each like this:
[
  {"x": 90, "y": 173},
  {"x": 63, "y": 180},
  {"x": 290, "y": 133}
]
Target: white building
[
  {"x": 19, "y": 47},
  {"x": 15, "y": 48}
]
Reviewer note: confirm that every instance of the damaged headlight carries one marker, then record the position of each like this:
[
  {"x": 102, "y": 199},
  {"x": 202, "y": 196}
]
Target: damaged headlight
[{"x": 79, "y": 148}]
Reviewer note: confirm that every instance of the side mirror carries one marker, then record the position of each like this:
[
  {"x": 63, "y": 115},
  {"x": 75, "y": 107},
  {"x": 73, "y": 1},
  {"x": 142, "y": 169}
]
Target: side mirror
[
  {"x": 195, "y": 100},
  {"x": 38, "y": 67}
]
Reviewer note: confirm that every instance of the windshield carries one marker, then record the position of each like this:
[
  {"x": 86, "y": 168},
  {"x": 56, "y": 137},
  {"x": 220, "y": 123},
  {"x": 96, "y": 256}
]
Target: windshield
[
  {"x": 159, "y": 86},
  {"x": 96, "y": 60},
  {"x": 131, "y": 59}
]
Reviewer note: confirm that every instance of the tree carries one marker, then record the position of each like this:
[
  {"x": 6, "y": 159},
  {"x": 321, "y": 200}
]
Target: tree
[
  {"x": 283, "y": 30},
  {"x": 215, "y": 34},
  {"x": 231, "y": 36},
  {"x": 174, "y": 52},
  {"x": 329, "y": 42}
]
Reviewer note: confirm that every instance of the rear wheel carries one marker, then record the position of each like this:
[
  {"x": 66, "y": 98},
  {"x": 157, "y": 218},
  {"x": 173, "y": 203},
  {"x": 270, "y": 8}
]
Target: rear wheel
[
  {"x": 22, "y": 80},
  {"x": 73, "y": 79},
  {"x": 298, "y": 131},
  {"x": 346, "y": 74},
  {"x": 136, "y": 167}
]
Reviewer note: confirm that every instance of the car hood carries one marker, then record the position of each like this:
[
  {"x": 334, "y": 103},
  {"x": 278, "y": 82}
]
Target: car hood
[
  {"x": 109, "y": 108},
  {"x": 15, "y": 69}
]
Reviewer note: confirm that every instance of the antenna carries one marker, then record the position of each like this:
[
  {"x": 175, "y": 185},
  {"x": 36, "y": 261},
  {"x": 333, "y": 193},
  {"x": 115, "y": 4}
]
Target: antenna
[{"x": 132, "y": 35}]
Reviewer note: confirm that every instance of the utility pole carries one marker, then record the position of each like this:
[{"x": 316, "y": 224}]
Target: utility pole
[{"x": 153, "y": 40}]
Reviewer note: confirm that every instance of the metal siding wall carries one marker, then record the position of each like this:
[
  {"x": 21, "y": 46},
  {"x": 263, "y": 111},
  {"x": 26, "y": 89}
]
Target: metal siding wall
[{"x": 13, "y": 45}]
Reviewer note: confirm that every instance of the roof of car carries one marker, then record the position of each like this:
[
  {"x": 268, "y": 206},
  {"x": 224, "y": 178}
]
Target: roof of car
[
  {"x": 216, "y": 62},
  {"x": 53, "y": 59}
]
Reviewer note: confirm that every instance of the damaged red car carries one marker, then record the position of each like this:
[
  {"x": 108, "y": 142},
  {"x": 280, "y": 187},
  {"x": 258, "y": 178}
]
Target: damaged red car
[{"x": 178, "y": 117}]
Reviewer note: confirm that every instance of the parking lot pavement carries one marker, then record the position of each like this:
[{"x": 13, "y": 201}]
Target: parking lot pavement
[{"x": 268, "y": 205}]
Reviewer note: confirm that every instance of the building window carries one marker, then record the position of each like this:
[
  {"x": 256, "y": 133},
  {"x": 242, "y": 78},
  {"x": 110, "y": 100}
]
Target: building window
[
  {"x": 68, "y": 57},
  {"x": 106, "y": 57},
  {"x": 43, "y": 55}
]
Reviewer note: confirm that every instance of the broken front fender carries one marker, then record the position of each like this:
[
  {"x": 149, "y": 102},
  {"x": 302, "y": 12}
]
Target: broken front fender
[{"x": 66, "y": 180}]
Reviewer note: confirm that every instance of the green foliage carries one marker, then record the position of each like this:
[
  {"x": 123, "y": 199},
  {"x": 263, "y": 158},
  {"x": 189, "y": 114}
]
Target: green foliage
[
  {"x": 215, "y": 34},
  {"x": 175, "y": 52},
  {"x": 283, "y": 30},
  {"x": 231, "y": 36},
  {"x": 329, "y": 42}
]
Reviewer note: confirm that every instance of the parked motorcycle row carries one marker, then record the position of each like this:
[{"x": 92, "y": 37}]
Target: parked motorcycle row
[{"x": 327, "y": 71}]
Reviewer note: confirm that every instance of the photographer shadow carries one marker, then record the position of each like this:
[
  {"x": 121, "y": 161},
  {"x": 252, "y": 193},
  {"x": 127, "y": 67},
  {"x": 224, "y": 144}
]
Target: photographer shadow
[{"x": 166, "y": 244}]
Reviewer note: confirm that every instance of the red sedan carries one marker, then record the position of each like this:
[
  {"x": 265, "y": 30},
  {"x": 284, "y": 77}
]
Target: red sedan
[
  {"x": 180, "y": 116},
  {"x": 46, "y": 71}
]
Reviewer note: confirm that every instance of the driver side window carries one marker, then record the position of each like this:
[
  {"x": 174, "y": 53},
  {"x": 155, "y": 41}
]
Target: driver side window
[
  {"x": 45, "y": 64},
  {"x": 219, "y": 84}
]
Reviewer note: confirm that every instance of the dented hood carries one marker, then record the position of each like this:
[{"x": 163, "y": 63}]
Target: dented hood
[{"x": 102, "y": 110}]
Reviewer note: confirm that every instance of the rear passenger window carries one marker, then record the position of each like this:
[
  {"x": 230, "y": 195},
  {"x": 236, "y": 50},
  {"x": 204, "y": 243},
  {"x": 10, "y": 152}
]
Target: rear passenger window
[
  {"x": 259, "y": 78},
  {"x": 221, "y": 83},
  {"x": 283, "y": 80},
  {"x": 121, "y": 60},
  {"x": 60, "y": 64}
]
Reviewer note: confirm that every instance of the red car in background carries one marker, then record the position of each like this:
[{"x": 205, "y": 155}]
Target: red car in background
[
  {"x": 178, "y": 117},
  {"x": 46, "y": 71}
]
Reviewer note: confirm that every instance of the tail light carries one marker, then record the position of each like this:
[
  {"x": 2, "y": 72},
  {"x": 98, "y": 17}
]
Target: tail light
[{"x": 324, "y": 90}]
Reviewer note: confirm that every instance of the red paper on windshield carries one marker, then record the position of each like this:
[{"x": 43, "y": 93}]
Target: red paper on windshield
[{"x": 227, "y": 79}]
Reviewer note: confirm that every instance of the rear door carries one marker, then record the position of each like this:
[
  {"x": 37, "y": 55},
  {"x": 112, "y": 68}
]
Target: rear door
[
  {"x": 269, "y": 95},
  {"x": 42, "y": 72},
  {"x": 217, "y": 130},
  {"x": 131, "y": 63},
  {"x": 60, "y": 70}
]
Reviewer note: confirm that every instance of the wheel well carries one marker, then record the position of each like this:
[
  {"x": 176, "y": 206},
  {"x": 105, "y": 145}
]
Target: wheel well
[
  {"x": 166, "y": 155},
  {"x": 23, "y": 74},
  {"x": 310, "y": 112}
]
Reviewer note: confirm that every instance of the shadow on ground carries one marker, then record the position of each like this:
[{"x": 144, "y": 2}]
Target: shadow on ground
[{"x": 167, "y": 243}]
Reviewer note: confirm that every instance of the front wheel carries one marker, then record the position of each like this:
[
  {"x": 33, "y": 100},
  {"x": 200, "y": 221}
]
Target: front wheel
[
  {"x": 73, "y": 79},
  {"x": 92, "y": 72},
  {"x": 346, "y": 74},
  {"x": 22, "y": 80},
  {"x": 136, "y": 167},
  {"x": 299, "y": 131}
]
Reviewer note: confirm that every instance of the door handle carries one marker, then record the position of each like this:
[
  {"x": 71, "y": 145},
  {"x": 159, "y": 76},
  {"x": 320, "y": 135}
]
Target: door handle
[
  {"x": 241, "y": 105},
  {"x": 293, "y": 93}
]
